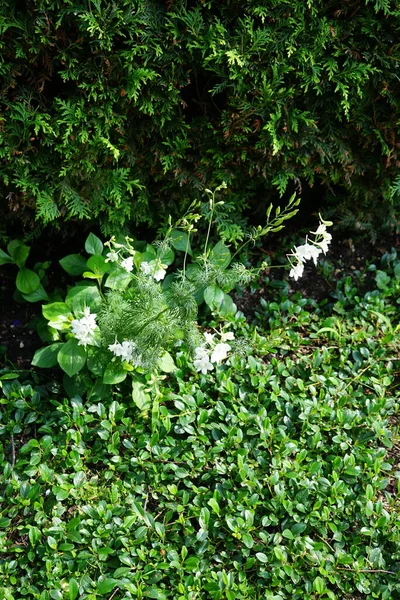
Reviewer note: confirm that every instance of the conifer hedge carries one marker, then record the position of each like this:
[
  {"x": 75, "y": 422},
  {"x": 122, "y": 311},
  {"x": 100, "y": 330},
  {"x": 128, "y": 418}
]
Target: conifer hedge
[{"x": 123, "y": 111}]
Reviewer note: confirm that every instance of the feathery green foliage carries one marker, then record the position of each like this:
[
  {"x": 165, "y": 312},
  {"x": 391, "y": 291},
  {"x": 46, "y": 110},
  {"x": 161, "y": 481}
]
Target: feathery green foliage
[{"x": 119, "y": 112}]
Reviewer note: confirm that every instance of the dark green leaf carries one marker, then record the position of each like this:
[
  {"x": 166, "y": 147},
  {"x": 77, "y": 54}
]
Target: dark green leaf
[
  {"x": 47, "y": 357},
  {"x": 71, "y": 357},
  {"x": 73, "y": 264},
  {"x": 27, "y": 281},
  {"x": 93, "y": 244}
]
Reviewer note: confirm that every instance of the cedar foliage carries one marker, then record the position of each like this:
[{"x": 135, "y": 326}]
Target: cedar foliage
[{"x": 123, "y": 111}]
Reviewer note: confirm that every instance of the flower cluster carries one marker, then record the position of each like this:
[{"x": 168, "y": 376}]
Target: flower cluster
[
  {"x": 310, "y": 250},
  {"x": 214, "y": 353},
  {"x": 84, "y": 329},
  {"x": 125, "y": 350}
]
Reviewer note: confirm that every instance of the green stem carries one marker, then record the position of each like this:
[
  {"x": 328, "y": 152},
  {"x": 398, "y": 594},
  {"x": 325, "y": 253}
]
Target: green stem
[
  {"x": 209, "y": 224},
  {"x": 186, "y": 253}
]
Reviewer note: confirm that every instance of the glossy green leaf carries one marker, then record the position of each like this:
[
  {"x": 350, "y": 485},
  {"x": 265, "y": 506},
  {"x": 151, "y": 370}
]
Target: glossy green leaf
[
  {"x": 47, "y": 357},
  {"x": 27, "y": 281},
  {"x": 93, "y": 244},
  {"x": 71, "y": 357},
  {"x": 180, "y": 241},
  {"x": 73, "y": 264}
]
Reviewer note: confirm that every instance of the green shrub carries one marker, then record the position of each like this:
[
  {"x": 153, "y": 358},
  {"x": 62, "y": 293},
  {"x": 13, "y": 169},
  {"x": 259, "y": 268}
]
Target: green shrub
[{"x": 122, "y": 111}]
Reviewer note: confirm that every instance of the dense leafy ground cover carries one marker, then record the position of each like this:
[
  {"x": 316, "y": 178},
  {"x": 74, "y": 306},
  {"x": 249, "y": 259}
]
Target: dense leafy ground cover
[{"x": 272, "y": 477}]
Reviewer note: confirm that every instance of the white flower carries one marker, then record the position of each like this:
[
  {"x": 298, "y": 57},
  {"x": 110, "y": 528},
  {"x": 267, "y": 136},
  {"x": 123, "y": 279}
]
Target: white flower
[
  {"x": 307, "y": 252},
  {"x": 155, "y": 268},
  {"x": 220, "y": 352},
  {"x": 160, "y": 273},
  {"x": 297, "y": 270},
  {"x": 321, "y": 229},
  {"x": 326, "y": 237},
  {"x": 145, "y": 268},
  {"x": 227, "y": 335},
  {"x": 124, "y": 351},
  {"x": 202, "y": 360},
  {"x": 112, "y": 256},
  {"x": 84, "y": 328},
  {"x": 127, "y": 264},
  {"x": 209, "y": 337}
]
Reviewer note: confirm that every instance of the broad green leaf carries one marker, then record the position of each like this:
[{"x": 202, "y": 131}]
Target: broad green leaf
[
  {"x": 106, "y": 586},
  {"x": 47, "y": 357},
  {"x": 93, "y": 244},
  {"x": 319, "y": 585},
  {"x": 166, "y": 363},
  {"x": 220, "y": 255},
  {"x": 79, "y": 479},
  {"x": 214, "y": 505},
  {"x": 27, "y": 281},
  {"x": 21, "y": 253},
  {"x": 247, "y": 540},
  {"x": 180, "y": 241},
  {"x": 288, "y": 534},
  {"x": 98, "y": 265},
  {"x": 58, "y": 314},
  {"x": 73, "y": 264},
  {"x": 114, "y": 373},
  {"x": 228, "y": 307},
  {"x": 213, "y": 296},
  {"x": 39, "y": 295},
  {"x": 83, "y": 296},
  {"x": 97, "y": 361},
  {"x": 118, "y": 279},
  {"x": 5, "y": 258},
  {"x": 140, "y": 397},
  {"x": 18, "y": 251},
  {"x": 154, "y": 593},
  {"x": 73, "y": 589},
  {"x": 56, "y": 310},
  {"x": 71, "y": 357},
  {"x": 382, "y": 280},
  {"x": 263, "y": 558},
  {"x": 34, "y": 534},
  {"x": 52, "y": 542},
  {"x": 166, "y": 256}
]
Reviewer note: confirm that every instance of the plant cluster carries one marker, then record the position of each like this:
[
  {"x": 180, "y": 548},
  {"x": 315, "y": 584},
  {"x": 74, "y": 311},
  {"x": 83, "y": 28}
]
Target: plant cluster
[
  {"x": 128, "y": 314},
  {"x": 120, "y": 112},
  {"x": 268, "y": 478}
]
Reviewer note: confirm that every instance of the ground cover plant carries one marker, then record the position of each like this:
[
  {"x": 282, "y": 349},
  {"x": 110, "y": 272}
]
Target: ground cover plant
[{"x": 271, "y": 477}]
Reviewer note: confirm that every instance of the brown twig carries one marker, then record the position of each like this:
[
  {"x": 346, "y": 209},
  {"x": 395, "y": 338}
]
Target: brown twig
[{"x": 113, "y": 594}]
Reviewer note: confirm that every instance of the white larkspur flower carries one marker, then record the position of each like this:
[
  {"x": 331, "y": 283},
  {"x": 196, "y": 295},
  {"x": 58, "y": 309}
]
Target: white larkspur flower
[
  {"x": 326, "y": 237},
  {"x": 155, "y": 268},
  {"x": 220, "y": 353},
  {"x": 227, "y": 335},
  {"x": 202, "y": 360},
  {"x": 145, "y": 267},
  {"x": 307, "y": 252},
  {"x": 124, "y": 350},
  {"x": 159, "y": 273},
  {"x": 297, "y": 271},
  {"x": 112, "y": 256},
  {"x": 209, "y": 337},
  {"x": 324, "y": 243},
  {"x": 127, "y": 264},
  {"x": 321, "y": 229},
  {"x": 84, "y": 329}
]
